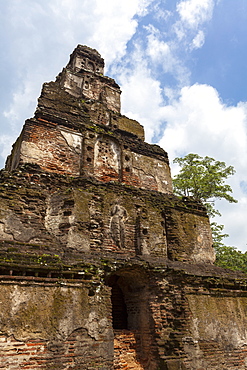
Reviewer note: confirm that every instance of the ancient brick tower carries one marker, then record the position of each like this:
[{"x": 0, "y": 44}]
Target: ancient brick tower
[{"x": 102, "y": 267}]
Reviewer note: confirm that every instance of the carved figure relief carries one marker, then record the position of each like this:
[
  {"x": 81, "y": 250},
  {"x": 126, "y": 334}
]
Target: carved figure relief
[
  {"x": 102, "y": 95},
  {"x": 119, "y": 216}
]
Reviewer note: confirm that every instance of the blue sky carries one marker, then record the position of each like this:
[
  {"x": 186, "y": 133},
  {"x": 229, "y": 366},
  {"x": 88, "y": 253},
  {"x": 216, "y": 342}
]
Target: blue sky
[{"x": 181, "y": 65}]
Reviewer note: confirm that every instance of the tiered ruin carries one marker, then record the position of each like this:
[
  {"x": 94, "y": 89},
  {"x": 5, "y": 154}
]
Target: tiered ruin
[{"x": 102, "y": 267}]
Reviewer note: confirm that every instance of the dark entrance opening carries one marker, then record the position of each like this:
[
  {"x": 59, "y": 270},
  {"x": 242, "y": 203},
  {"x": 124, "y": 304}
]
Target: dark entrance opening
[
  {"x": 132, "y": 320},
  {"x": 119, "y": 309}
]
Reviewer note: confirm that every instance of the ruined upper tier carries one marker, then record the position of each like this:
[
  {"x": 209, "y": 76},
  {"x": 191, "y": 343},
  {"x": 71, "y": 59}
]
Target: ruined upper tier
[
  {"x": 78, "y": 130},
  {"x": 84, "y": 77}
]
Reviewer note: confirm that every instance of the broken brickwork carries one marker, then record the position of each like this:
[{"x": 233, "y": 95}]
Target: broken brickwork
[{"x": 101, "y": 266}]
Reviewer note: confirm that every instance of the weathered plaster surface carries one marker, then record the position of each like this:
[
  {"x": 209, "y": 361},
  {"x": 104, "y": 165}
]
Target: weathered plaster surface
[{"x": 40, "y": 321}]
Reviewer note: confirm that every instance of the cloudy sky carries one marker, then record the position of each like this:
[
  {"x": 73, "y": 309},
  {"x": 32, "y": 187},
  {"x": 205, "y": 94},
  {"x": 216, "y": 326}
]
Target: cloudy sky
[{"x": 181, "y": 65}]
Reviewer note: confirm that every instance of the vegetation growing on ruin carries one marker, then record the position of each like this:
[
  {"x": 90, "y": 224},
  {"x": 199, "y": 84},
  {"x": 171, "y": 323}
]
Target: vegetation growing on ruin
[{"x": 203, "y": 179}]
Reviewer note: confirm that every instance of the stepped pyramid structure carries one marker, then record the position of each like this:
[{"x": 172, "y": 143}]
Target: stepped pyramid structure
[{"x": 101, "y": 266}]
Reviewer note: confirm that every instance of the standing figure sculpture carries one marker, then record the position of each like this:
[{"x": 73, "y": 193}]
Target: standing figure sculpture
[{"x": 119, "y": 216}]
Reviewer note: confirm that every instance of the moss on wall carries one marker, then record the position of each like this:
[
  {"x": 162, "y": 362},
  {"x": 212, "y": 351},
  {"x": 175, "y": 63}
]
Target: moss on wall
[{"x": 44, "y": 312}]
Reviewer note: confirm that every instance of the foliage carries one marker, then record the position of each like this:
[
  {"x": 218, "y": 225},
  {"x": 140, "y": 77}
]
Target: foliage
[
  {"x": 203, "y": 179},
  {"x": 227, "y": 257},
  {"x": 217, "y": 235},
  {"x": 231, "y": 258}
]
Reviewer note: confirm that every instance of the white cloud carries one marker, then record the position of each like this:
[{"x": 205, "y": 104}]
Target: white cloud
[
  {"x": 159, "y": 51},
  {"x": 164, "y": 54},
  {"x": 141, "y": 98},
  {"x": 23, "y": 99},
  {"x": 195, "y": 12},
  {"x": 6, "y": 142},
  {"x": 106, "y": 26},
  {"x": 205, "y": 122},
  {"x": 198, "y": 40},
  {"x": 159, "y": 12}
]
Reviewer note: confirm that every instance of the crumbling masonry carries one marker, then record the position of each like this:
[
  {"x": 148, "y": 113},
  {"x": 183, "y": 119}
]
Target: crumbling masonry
[{"x": 101, "y": 266}]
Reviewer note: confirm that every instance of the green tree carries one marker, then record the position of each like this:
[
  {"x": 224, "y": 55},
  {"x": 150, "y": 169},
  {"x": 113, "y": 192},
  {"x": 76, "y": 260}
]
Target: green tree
[
  {"x": 231, "y": 258},
  {"x": 203, "y": 179}
]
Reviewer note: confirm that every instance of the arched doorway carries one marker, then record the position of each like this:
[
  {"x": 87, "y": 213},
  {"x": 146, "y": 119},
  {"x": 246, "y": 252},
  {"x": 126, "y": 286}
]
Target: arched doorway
[{"x": 132, "y": 320}]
